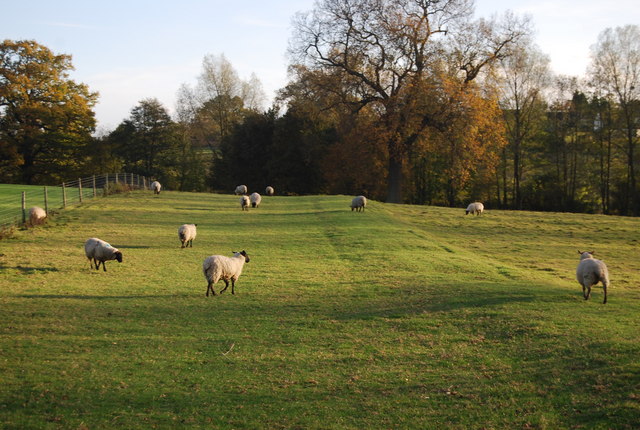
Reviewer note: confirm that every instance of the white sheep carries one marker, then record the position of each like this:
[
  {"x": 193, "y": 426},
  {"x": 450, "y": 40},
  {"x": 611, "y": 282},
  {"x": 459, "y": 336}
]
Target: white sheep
[
  {"x": 100, "y": 251},
  {"x": 241, "y": 189},
  {"x": 358, "y": 203},
  {"x": 156, "y": 187},
  {"x": 591, "y": 271},
  {"x": 245, "y": 203},
  {"x": 186, "y": 233},
  {"x": 37, "y": 215},
  {"x": 475, "y": 208},
  {"x": 269, "y": 191},
  {"x": 216, "y": 267},
  {"x": 255, "y": 199}
]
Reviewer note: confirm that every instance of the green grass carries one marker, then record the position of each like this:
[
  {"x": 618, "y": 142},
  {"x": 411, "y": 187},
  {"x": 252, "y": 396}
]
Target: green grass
[
  {"x": 11, "y": 199},
  {"x": 398, "y": 317}
]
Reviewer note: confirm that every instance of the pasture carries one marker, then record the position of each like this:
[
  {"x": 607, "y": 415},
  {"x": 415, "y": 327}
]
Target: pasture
[{"x": 397, "y": 317}]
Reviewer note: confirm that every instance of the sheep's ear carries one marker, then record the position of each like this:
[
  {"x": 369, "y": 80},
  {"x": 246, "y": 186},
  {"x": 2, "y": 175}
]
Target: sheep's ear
[
  {"x": 580, "y": 252},
  {"x": 592, "y": 252}
]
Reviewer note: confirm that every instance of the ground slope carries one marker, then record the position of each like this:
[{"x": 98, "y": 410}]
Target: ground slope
[{"x": 398, "y": 317}]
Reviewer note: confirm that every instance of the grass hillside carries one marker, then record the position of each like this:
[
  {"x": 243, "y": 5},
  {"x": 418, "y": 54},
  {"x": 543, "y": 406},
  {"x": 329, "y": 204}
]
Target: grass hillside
[{"x": 398, "y": 317}]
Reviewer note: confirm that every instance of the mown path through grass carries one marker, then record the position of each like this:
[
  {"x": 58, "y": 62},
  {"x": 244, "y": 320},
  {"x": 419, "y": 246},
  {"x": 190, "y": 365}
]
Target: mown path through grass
[{"x": 398, "y": 317}]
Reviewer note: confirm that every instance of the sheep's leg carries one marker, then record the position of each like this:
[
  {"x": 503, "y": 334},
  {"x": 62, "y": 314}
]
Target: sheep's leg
[
  {"x": 182, "y": 244},
  {"x": 604, "y": 286},
  {"x": 210, "y": 287},
  {"x": 233, "y": 287},
  {"x": 104, "y": 266},
  {"x": 584, "y": 292},
  {"x": 226, "y": 285},
  {"x": 96, "y": 263}
]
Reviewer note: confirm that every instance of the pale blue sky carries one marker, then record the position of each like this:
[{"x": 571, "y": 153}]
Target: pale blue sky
[{"x": 136, "y": 49}]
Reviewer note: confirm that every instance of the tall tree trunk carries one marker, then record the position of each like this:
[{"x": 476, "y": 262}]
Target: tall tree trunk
[{"x": 394, "y": 181}]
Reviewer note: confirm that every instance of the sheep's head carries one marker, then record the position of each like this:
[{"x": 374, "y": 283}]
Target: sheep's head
[
  {"x": 243, "y": 253},
  {"x": 118, "y": 255},
  {"x": 586, "y": 254}
]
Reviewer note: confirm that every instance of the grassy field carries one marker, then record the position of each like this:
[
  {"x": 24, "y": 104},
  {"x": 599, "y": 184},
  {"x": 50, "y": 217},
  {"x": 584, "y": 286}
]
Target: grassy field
[
  {"x": 11, "y": 199},
  {"x": 398, "y": 317}
]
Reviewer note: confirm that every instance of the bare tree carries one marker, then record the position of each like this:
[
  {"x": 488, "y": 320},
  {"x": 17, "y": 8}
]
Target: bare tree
[
  {"x": 522, "y": 80},
  {"x": 616, "y": 68}
]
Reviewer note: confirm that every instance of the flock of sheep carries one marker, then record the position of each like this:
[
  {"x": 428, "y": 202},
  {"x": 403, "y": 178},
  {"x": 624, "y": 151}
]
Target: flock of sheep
[{"x": 590, "y": 271}]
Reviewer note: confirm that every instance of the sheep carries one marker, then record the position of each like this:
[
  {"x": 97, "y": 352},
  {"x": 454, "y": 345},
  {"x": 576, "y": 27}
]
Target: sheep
[
  {"x": 255, "y": 200},
  {"x": 245, "y": 202},
  {"x": 186, "y": 233},
  {"x": 155, "y": 186},
  {"x": 37, "y": 215},
  {"x": 100, "y": 251},
  {"x": 216, "y": 267},
  {"x": 269, "y": 191},
  {"x": 358, "y": 203},
  {"x": 475, "y": 208},
  {"x": 591, "y": 271},
  {"x": 241, "y": 189}
]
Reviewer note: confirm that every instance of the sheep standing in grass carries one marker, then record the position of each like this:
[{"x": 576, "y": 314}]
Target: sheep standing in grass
[
  {"x": 186, "y": 233},
  {"x": 241, "y": 189},
  {"x": 218, "y": 267},
  {"x": 245, "y": 203},
  {"x": 475, "y": 208},
  {"x": 100, "y": 251},
  {"x": 269, "y": 191},
  {"x": 591, "y": 271},
  {"x": 255, "y": 199},
  {"x": 358, "y": 203},
  {"x": 156, "y": 187},
  {"x": 37, "y": 215}
]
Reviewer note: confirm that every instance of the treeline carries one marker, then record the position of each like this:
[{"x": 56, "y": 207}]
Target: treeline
[{"x": 422, "y": 105}]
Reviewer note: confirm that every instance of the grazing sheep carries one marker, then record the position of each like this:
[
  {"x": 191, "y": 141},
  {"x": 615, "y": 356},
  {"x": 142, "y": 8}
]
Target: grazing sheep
[
  {"x": 358, "y": 203},
  {"x": 241, "y": 189},
  {"x": 218, "y": 267},
  {"x": 100, "y": 251},
  {"x": 245, "y": 203},
  {"x": 155, "y": 186},
  {"x": 475, "y": 208},
  {"x": 255, "y": 200},
  {"x": 186, "y": 233},
  {"x": 37, "y": 215},
  {"x": 591, "y": 271},
  {"x": 269, "y": 191}
]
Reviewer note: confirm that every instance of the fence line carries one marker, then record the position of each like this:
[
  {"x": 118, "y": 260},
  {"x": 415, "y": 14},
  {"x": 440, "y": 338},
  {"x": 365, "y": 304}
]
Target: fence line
[{"x": 14, "y": 207}]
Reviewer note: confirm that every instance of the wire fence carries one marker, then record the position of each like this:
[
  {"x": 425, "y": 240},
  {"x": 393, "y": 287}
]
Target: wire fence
[{"x": 15, "y": 200}]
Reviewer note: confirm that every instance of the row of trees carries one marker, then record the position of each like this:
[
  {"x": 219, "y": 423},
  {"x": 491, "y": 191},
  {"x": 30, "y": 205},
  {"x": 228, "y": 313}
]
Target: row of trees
[{"x": 401, "y": 100}]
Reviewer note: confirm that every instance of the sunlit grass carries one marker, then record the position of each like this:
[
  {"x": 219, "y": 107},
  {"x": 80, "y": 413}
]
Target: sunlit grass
[{"x": 398, "y": 317}]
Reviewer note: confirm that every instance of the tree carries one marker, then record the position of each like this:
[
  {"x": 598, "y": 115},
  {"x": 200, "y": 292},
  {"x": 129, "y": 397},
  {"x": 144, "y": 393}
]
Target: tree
[
  {"x": 146, "y": 139},
  {"x": 616, "y": 68},
  {"x": 220, "y": 100},
  {"x": 45, "y": 117},
  {"x": 523, "y": 77},
  {"x": 383, "y": 52}
]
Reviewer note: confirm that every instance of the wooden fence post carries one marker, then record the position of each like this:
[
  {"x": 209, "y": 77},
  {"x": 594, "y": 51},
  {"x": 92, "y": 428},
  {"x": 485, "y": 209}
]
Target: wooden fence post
[
  {"x": 46, "y": 201},
  {"x": 116, "y": 178},
  {"x": 24, "y": 207},
  {"x": 94, "y": 186},
  {"x": 80, "y": 189},
  {"x": 64, "y": 196}
]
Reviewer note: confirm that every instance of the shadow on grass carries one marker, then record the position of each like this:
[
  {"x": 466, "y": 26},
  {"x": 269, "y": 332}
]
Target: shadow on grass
[
  {"x": 29, "y": 270},
  {"x": 411, "y": 303},
  {"x": 87, "y": 297}
]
